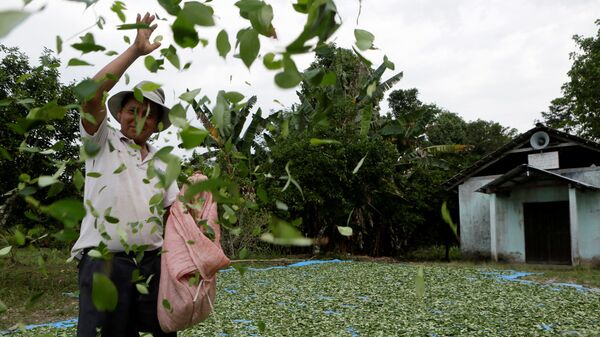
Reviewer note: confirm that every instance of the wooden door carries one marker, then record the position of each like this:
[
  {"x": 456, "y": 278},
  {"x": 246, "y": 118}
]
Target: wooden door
[{"x": 547, "y": 232}]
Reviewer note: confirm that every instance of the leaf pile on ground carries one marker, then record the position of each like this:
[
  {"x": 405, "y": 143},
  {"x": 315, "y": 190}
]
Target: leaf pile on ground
[{"x": 376, "y": 299}]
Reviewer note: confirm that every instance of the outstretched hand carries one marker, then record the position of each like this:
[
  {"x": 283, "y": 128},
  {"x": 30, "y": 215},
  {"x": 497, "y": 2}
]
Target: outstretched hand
[{"x": 142, "y": 40}]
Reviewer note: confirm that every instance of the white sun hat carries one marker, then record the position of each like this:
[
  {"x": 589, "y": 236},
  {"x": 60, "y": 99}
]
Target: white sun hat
[{"x": 157, "y": 96}]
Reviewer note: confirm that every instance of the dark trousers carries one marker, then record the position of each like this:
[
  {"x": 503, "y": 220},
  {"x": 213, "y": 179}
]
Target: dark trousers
[{"x": 135, "y": 312}]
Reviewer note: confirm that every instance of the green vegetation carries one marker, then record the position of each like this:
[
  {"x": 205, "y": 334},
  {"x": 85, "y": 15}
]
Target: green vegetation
[
  {"x": 37, "y": 286},
  {"x": 380, "y": 299},
  {"x": 578, "y": 109}
]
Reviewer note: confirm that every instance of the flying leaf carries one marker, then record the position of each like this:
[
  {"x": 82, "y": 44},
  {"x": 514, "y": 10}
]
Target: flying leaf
[
  {"x": 130, "y": 26},
  {"x": 104, "y": 293},
  {"x": 360, "y": 163},
  {"x": 152, "y": 64},
  {"x": 192, "y": 137},
  {"x": 177, "y": 116},
  {"x": 44, "y": 181},
  {"x": 118, "y": 7},
  {"x": 87, "y": 44},
  {"x": 48, "y": 112},
  {"x": 280, "y": 205},
  {"x": 448, "y": 219},
  {"x": 78, "y": 179},
  {"x": 364, "y": 39},
  {"x": 77, "y": 62},
  {"x": 345, "y": 231},
  {"x": 171, "y": 55},
  {"x": 10, "y": 19},
  {"x": 171, "y": 6},
  {"x": 189, "y": 95},
  {"x": 166, "y": 305},
  {"x": 59, "y": 43},
  {"x": 318, "y": 142},
  {"x": 289, "y": 77},
  {"x": 150, "y": 86},
  {"x": 193, "y": 13},
  {"x": 420, "y": 283},
  {"x": 120, "y": 169},
  {"x": 270, "y": 62},
  {"x": 68, "y": 211},
  {"x": 90, "y": 148},
  {"x": 4, "y": 251},
  {"x": 249, "y": 45},
  {"x": 223, "y": 45},
  {"x": 86, "y": 89},
  {"x": 142, "y": 288}
]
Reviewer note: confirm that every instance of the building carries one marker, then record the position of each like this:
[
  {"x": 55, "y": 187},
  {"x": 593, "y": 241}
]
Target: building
[{"x": 535, "y": 200}]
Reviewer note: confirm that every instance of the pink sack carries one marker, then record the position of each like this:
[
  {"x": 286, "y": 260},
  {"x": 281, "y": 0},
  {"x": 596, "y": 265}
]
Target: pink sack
[{"x": 187, "y": 253}]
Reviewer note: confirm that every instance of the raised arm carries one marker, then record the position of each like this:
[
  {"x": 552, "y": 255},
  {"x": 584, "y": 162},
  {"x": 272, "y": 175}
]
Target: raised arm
[{"x": 110, "y": 74}]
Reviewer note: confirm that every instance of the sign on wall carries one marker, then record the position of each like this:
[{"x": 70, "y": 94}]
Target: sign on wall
[{"x": 548, "y": 160}]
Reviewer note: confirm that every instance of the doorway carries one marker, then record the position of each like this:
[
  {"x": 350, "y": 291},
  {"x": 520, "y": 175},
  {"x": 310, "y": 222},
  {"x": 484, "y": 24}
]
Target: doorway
[{"x": 547, "y": 232}]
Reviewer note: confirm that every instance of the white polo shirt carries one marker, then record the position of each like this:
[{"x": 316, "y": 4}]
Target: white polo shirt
[{"x": 117, "y": 195}]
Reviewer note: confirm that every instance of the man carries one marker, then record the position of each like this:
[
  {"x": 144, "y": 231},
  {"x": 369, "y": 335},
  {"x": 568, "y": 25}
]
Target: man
[{"x": 121, "y": 234}]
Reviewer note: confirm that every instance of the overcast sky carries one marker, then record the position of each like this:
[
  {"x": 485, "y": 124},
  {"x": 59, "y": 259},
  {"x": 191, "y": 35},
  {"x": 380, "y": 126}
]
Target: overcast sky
[{"x": 494, "y": 60}]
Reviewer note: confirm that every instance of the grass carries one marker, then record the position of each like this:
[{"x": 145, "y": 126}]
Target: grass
[
  {"x": 33, "y": 284},
  {"x": 351, "y": 299}
]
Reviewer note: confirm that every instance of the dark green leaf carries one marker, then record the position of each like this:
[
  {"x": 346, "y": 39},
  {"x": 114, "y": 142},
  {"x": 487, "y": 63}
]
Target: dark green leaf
[
  {"x": 77, "y": 62},
  {"x": 290, "y": 77},
  {"x": 104, "y": 293},
  {"x": 171, "y": 55},
  {"x": 192, "y": 137},
  {"x": 152, "y": 64},
  {"x": 118, "y": 7},
  {"x": 48, "y": 112},
  {"x": 90, "y": 149},
  {"x": 233, "y": 96},
  {"x": 171, "y": 6},
  {"x": 19, "y": 237},
  {"x": 249, "y": 45},
  {"x": 120, "y": 169},
  {"x": 223, "y": 45},
  {"x": 166, "y": 305},
  {"x": 129, "y": 26},
  {"x": 270, "y": 63},
  {"x": 87, "y": 44},
  {"x": 69, "y": 212},
  {"x": 86, "y": 89},
  {"x": 78, "y": 180}
]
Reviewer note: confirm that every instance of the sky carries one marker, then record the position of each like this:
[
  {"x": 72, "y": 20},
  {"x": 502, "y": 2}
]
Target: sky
[{"x": 493, "y": 60}]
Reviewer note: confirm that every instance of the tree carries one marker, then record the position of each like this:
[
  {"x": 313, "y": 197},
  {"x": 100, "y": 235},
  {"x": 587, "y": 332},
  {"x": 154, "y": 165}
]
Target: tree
[
  {"x": 26, "y": 143},
  {"x": 578, "y": 109}
]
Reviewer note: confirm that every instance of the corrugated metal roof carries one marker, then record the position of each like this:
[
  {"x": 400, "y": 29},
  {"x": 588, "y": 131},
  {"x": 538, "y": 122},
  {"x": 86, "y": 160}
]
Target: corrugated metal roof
[
  {"x": 524, "y": 173},
  {"x": 515, "y": 143}
]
